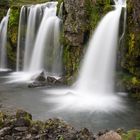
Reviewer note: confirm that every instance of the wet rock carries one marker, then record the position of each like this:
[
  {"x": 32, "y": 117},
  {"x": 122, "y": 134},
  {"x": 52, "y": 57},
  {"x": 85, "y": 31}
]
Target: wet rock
[
  {"x": 21, "y": 129},
  {"x": 42, "y": 80},
  {"x": 5, "y": 131},
  {"x": 54, "y": 81},
  {"x": 22, "y": 122},
  {"x": 36, "y": 84},
  {"x": 51, "y": 80},
  {"x": 111, "y": 135},
  {"x": 41, "y": 77},
  {"x": 84, "y": 134},
  {"x": 23, "y": 114}
]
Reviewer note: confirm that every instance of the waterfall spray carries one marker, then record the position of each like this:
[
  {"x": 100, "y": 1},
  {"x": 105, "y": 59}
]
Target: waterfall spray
[
  {"x": 21, "y": 35},
  {"x": 94, "y": 88},
  {"x": 3, "y": 41}
]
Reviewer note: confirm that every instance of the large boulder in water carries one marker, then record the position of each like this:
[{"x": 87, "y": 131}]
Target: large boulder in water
[
  {"x": 41, "y": 77},
  {"x": 43, "y": 80}
]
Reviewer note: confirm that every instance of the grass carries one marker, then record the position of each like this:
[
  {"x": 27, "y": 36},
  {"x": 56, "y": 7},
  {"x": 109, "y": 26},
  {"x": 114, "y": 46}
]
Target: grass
[{"x": 26, "y": 2}]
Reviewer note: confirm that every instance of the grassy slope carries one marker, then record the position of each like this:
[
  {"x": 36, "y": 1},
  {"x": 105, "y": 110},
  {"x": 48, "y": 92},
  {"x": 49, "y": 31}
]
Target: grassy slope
[{"x": 26, "y": 2}]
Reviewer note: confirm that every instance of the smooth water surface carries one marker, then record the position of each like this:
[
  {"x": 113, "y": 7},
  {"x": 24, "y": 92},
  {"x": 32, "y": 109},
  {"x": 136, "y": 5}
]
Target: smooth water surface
[{"x": 16, "y": 95}]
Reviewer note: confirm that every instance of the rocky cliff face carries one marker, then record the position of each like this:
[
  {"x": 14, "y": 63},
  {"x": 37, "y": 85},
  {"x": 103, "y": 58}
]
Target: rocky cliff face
[
  {"x": 75, "y": 33},
  {"x": 130, "y": 51},
  {"x": 80, "y": 19}
]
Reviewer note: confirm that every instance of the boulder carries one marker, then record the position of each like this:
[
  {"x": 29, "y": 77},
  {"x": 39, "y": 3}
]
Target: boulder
[
  {"x": 5, "y": 131},
  {"x": 111, "y": 135},
  {"x": 21, "y": 122},
  {"x": 23, "y": 114},
  {"x": 41, "y": 77},
  {"x": 42, "y": 80}
]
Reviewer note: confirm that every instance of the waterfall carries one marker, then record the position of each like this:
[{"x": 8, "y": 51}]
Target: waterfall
[
  {"x": 60, "y": 14},
  {"x": 21, "y": 35},
  {"x": 57, "y": 50},
  {"x": 47, "y": 49},
  {"x": 39, "y": 47},
  {"x": 3, "y": 41},
  {"x": 34, "y": 10},
  {"x": 94, "y": 88},
  {"x": 97, "y": 72}
]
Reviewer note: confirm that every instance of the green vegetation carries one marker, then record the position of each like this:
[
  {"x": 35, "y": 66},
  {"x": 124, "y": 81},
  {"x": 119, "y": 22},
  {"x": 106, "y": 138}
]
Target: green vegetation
[
  {"x": 131, "y": 135},
  {"x": 26, "y": 2},
  {"x": 96, "y": 11}
]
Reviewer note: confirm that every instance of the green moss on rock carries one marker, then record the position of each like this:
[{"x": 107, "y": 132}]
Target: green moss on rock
[
  {"x": 131, "y": 135},
  {"x": 13, "y": 35}
]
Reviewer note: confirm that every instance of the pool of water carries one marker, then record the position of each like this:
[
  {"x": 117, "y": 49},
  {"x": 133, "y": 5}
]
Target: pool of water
[{"x": 18, "y": 95}]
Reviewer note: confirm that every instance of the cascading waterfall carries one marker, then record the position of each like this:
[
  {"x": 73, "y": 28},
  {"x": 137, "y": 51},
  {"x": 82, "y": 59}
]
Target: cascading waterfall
[
  {"x": 40, "y": 42},
  {"x": 57, "y": 50},
  {"x": 43, "y": 26},
  {"x": 21, "y": 35},
  {"x": 98, "y": 68},
  {"x": 48, "y": 41},
  {"x": 3, "y": 41},
  {"x": 34, "y": 11},
  {"x": 60, "y": 14},
  {"x": 94, "y": 89}
]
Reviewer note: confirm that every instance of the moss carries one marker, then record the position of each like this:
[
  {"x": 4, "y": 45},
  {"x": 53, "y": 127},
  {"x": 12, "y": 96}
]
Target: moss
[
  {"x": 131, "y": 43},
  {"x": 60, "y": 137},
  {"x": 26, "y": 2},
  {"x": 128, "y": 83},
  {"x": 131, "y": 135},
  {"x": 96, "y": 11},
  {"x": 71, "y": 59},
  {"x": 13, "y": 35}
]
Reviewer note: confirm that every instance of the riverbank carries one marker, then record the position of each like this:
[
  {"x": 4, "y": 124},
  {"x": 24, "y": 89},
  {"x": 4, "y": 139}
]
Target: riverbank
[{"x": 21, "y": 126}]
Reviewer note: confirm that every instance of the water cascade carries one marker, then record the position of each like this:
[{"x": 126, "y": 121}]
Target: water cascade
[
  {"x": 38, "y": 48},
  {"x": 97, "y": 72},
  {"x": 34, "y": 11},
  {"x": 21, "y": 35},
  {"x": 3, "y": 41},
  {"x": 94, "y": 88},
  {"x": 47, "y": 41}
]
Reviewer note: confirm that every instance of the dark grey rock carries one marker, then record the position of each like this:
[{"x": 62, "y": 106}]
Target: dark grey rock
[{"x": 5, "y": 131}]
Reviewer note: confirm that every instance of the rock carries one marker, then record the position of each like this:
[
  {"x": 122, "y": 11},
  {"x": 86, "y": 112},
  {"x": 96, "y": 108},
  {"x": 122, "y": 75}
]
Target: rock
[
  {"x": 51, "y": 80},
  {"x": 41, "y": 77},
  {"x": 36, "y": 84},
  {"x": 21, "y": 129},
  {"x": 23, "y": 114},
  {"x": 54, "y": 81},
  {"x": 21, "y": 122},
  {"x": 5, "y": 131},
  {"x": 111, "y": 135},
  {"x": 75, "y": 22},
  {"x": 84, "y": 134},
  {"x": 8, "y": 137}
]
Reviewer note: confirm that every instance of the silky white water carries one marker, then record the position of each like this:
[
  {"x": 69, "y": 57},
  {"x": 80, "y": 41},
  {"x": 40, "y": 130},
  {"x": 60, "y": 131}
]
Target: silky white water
[
  {"x": 97, "y": 72},
  {"x": 40, "y": 42},
  {"x": 30, "y": 34},
  {"x": 47, "y": 50},
  {"x": 3, "y": 42},
  {"x": 21, "y": 36},
  {"x": 94, "y": 88}
]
